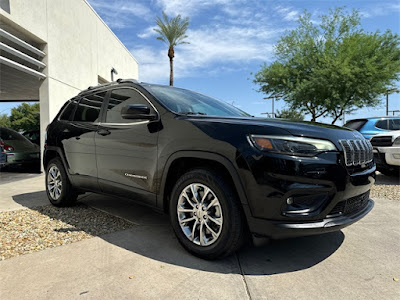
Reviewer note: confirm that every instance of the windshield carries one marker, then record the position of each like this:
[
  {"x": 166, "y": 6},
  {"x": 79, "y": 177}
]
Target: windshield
[{"x": 187, "y": 102}]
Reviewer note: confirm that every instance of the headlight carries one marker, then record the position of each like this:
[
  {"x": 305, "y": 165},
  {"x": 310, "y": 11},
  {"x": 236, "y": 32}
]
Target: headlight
[
  {"x": 397, "y": 141},
  {"x": 291, "y": 145}
]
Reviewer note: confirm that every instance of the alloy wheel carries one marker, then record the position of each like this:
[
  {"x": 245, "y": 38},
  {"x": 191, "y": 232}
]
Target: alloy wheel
[
  {"x": 54, "y": 182},
  {"x": 200, "y": 214}
]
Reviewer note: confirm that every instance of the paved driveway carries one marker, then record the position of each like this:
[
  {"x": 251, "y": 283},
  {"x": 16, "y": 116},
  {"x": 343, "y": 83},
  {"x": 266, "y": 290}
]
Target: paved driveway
[{"x": 147, "y": 262}]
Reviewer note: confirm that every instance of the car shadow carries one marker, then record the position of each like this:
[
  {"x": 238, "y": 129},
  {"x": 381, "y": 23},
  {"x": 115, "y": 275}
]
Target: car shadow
[{"x": 151, "y": 236}]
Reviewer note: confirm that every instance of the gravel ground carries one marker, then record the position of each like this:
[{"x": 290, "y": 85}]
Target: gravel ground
[
  {"x": 30, "y": 230},
  {"x": 387, "y": 191}
]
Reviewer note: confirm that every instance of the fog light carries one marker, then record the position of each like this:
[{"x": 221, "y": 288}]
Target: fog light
[
  {"x": 396, "y": 156},
  {"x": 289, "y": 200}
]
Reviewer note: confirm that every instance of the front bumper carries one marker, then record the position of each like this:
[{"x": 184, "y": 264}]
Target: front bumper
[
  {"x": 316, "y": 186},
  {"x": 22, "y": 158},
  {"x": 387, "y": 156},
  {"x": 279, "y": 230}
]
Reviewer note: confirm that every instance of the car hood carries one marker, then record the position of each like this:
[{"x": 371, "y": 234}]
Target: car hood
[{"x": 303, "y": 128}]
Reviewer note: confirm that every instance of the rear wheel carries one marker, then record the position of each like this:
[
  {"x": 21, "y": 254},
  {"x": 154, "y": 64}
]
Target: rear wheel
[
  {"x": 58, "y": 188},
  {"x": 206, "y": 215}
]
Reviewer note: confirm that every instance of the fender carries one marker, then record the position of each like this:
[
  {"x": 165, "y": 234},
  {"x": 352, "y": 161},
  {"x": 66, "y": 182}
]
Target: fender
[
  {"x": 202, "y": 155},
  {"x": 61, "y": 155}
]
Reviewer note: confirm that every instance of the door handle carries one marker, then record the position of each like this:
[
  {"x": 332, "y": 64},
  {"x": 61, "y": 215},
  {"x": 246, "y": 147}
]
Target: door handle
[{"x": 103, "y": 132}]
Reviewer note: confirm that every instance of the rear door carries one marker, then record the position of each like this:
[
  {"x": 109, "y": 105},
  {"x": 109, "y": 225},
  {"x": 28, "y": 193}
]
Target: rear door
[
  {"x": 126, "y": 149},
  {"x": 77, "y": 139}
]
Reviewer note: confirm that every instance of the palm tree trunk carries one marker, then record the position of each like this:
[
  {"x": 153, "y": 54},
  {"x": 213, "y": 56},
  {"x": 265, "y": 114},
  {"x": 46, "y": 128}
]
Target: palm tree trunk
[{"x": 171, "y": 71}]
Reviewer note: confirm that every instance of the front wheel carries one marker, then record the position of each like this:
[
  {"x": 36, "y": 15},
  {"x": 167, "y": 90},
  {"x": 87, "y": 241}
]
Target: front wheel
[{"x": 206, "y": 215}]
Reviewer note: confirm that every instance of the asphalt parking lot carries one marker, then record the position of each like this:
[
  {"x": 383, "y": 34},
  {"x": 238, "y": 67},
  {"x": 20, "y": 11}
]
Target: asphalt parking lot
[{"x": 145, "y": 261}]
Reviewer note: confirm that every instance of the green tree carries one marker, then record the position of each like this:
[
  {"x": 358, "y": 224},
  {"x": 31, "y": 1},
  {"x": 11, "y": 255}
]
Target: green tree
[
  {"x": 290, "y": 114},
  {"x": 332, "y": 68},
  {"x": 5, "y": 121},
  {"x": 172, "y": 32},
  {"x": 25, "y": 117}
]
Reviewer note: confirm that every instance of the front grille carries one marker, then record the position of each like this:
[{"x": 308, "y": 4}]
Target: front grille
[
  {"x": 357, "y": 152},
  {"x": 350, "y": 205},
  {"x": 382, "y": 141}
]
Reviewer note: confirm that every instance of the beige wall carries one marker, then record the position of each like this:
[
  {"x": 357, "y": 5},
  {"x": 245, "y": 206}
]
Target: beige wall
[{"x": 79, "y": 47}]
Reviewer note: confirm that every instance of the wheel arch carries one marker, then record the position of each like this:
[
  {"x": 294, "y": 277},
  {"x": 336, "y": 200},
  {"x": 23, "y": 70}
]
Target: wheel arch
[
  {"x": 52, "y": 152},
  {"x": 183, "y": 161}
]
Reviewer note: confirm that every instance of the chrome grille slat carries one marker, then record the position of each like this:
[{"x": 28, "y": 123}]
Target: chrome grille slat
[{"x": 357, "y": 152}]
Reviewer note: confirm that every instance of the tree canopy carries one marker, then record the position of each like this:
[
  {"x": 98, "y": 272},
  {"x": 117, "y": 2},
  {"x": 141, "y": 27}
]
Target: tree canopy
[
  {"x": 332, "y": 67},
  {"x": 25, "y": 117},
  {"x": 289, "y": 114}
]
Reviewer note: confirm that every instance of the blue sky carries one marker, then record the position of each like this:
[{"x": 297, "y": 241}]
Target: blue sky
[{"x": 229, "y": 40}]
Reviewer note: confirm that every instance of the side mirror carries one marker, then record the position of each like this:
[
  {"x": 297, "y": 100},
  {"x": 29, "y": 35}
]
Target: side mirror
[{"x": 137, "y": 111}]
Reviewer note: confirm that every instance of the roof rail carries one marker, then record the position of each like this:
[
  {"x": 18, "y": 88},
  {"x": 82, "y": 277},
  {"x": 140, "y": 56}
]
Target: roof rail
[{"x": 121, "y": 80}]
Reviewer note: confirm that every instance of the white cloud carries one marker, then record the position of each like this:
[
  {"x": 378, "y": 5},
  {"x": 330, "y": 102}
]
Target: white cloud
[
  {"x": 229, "y": 47},
  {"x": 147, "y": 33},
  {"x": 192, "y": 7},
  {"x": 121, "y": 14},
  {"x": 380, "y": 9},
  {"x": 288, "y": 13}
]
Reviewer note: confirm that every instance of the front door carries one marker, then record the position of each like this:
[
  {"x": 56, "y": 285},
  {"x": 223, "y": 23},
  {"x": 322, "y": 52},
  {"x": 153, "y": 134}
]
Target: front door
[{"x": 126, "y": 149}]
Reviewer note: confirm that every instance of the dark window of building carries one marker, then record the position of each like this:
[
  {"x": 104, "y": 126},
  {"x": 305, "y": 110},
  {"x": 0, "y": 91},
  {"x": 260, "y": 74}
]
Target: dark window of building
[
  {"x": 120, "y": 98},
  {"x": 89, "y": 108}
]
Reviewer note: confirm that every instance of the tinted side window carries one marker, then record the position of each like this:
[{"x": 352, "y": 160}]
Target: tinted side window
[
  {"x": 382, "y": 124},
  {"x": 118, "y": 99},
  {"x": 394, "y": 124},
  {"x": 355, "y": 124},
  {"x": 67, "y": 113},
  {"x": 88, "y": 109}
]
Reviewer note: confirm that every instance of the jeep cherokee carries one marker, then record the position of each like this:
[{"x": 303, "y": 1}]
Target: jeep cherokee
[{"x": 218, "y": 172}]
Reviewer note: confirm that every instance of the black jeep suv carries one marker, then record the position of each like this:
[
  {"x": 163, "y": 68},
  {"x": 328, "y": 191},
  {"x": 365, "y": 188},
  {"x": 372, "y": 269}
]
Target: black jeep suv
[{"x": 219, "y": 172}]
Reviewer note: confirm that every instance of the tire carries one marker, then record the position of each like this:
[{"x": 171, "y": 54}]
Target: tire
[
  {"x": 393, "y": 172},
  {"x": 66, "y": 196},
  {"x": 224, "y": 239}
]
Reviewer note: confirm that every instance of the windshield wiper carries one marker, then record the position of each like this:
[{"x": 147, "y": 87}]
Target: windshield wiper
[{"x": 193, "y": 113}]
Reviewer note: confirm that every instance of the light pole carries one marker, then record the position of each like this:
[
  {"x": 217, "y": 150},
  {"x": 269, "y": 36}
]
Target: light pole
[
  {"x": 273, "y": 104},
  {"x": 394, "y": 90},
  {"x": 113, "y": 71}
]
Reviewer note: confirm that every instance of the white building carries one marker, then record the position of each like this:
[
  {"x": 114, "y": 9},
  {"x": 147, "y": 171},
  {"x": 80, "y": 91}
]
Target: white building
[{"x": 53, "y": 49}]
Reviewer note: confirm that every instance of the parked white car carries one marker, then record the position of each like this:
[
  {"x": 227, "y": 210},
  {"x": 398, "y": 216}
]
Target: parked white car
[{"x": 387, "y": 152}]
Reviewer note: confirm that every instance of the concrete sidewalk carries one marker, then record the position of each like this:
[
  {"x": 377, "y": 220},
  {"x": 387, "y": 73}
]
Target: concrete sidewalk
[{"x": 147, "y": 262}]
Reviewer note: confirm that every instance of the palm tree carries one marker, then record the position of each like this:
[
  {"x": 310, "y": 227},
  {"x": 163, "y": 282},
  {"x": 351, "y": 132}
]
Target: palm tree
[{"x": 172, "y": 32}]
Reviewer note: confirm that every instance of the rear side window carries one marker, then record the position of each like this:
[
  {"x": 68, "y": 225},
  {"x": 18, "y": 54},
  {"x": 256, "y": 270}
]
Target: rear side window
[
  {"x": 394, "y": 124},
  {"x": 355, "y": 124},
  {"x": 88, "y": 109},
  {"x": 68, "y": 111},
  {"x": 118, "y": 99},
  {"x": 382, "y": 124}
]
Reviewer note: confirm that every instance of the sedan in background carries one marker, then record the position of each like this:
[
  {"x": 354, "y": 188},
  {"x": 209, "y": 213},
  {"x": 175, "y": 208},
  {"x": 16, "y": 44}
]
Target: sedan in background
[
  {"x": 20, "y": 152},
  {"x": 369, "y": 127},
  {"x": 3, "y": 155}
]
